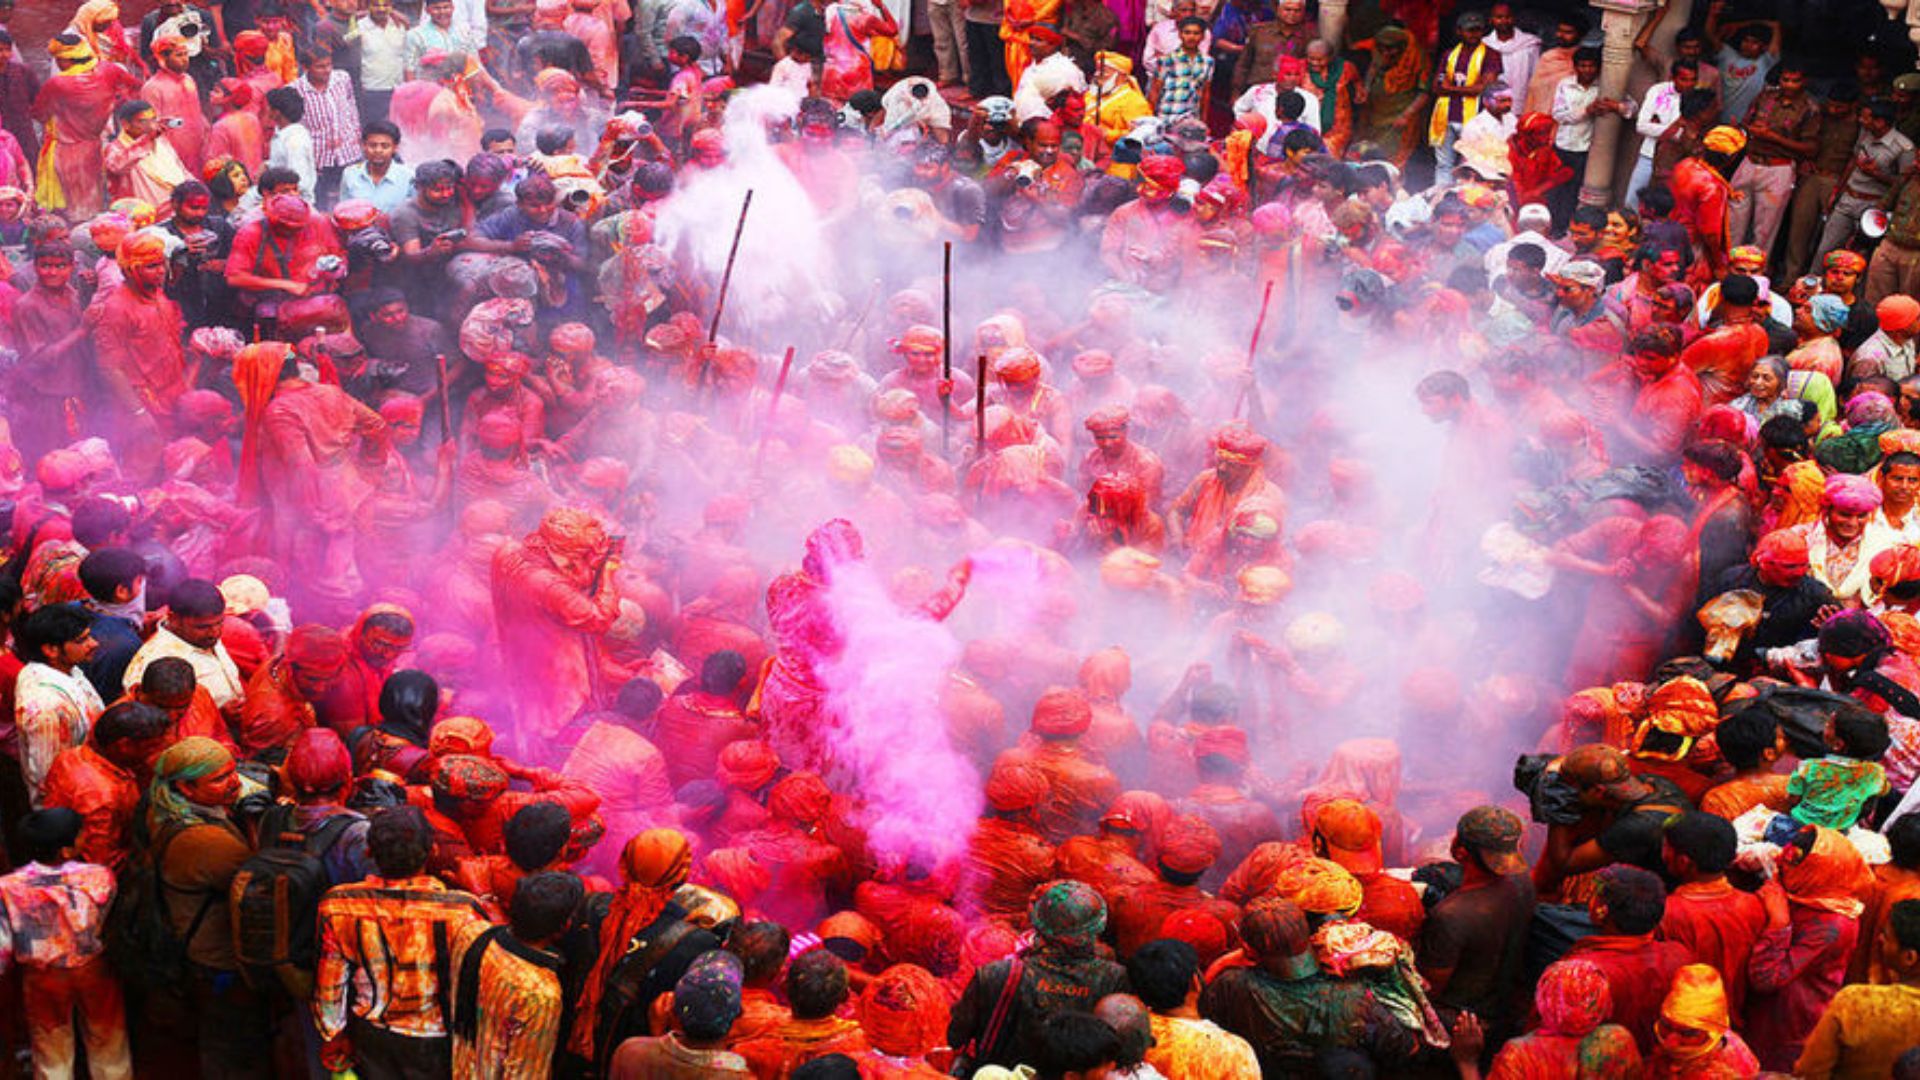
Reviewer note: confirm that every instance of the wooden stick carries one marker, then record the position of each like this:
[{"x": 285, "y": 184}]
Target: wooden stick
[
  {"x": 720, "y": 301},
  {"x": 446, "y": 414},
  {"x": 773, "y": 409},
  {"x": 726, "y": 276},
  {"x": 946, "y": 346},
  {"x": 980, "y": 410},
  {"x": 1251, "y": 389}
]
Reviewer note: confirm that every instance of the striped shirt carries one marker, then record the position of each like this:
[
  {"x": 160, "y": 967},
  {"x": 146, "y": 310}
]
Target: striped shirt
[
  {"x": 333, "y": 119},
  {"x": 386, "y": 953},
  {"x": 518, "y": 1008}
]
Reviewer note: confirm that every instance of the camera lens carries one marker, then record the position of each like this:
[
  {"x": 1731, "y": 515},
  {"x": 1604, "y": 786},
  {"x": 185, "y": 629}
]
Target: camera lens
[{"x": 1344, "y": 301}]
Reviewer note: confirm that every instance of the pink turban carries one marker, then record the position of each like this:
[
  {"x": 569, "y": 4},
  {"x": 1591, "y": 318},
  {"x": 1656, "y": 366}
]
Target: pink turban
[{"x": 1851, "y": 494}]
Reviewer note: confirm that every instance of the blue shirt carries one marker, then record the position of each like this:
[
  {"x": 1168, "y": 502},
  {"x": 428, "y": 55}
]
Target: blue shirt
[{"x": 389, "y": 193}]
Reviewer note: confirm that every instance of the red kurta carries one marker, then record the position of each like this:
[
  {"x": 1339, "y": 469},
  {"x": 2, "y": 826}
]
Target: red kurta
[{"x": 75, "y": 109}]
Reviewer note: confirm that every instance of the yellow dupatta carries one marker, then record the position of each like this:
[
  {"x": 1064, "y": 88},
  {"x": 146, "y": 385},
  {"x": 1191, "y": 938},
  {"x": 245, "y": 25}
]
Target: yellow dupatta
[
  {"x": 1437, "y": 127},
  {"x": 46, "y": 179}
]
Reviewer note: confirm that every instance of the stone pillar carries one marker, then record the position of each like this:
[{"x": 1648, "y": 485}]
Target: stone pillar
[
  {"x": 1333, "y": 23},
  {"x": 1620, "y": 21}
]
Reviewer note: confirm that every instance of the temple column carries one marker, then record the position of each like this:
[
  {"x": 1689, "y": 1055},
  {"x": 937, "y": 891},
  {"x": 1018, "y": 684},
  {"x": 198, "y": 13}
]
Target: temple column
[
  {"x": 1333, "y": 23},
  {"x": 1620, "y": 22}
]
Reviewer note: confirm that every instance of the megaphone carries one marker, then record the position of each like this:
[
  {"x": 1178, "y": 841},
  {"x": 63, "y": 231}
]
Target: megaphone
[{"x": 1873, "y": 223}]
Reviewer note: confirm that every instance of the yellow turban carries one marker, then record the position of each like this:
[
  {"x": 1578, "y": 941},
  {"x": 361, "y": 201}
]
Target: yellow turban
[
  {"x": 141, "y": 248},
  {"x": 1725, "y": 140},
  {"x": 1114, "y": 60},
  {"x": 1697, "y": 1007}
]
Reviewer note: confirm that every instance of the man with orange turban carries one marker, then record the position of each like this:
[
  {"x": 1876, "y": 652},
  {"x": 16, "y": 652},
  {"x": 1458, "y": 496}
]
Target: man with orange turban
[
  {"x": 137, "y": 332},
  {"x": 1221, "y": 758},
  {"x": 1790, "y": 596},
  {"x": 1007, "y": 857},
  {"x": 1188, "y": 849},
  {"x": 905, "y": 1014},
  {"x": 280, "y": 697},
  {"x": 504, "y": 391},
  {"x": 554, "y": 595},
  {"x": 1114, "y": 859}
]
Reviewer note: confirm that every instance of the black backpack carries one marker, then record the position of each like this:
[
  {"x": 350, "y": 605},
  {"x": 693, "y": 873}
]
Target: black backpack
[
  {"x": 274, "y": 900},
  {"x": 145, "y": 951}
]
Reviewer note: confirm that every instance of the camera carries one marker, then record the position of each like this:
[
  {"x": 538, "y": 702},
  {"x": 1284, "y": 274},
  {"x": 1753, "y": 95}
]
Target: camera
[
  {"x": 579, "y": 197},
  {"x": 172, "y": 122},
  {"x": 453, "y": 236},
  {"x": 1025, "y": 173},
  {"x": 189, "y": 29}
]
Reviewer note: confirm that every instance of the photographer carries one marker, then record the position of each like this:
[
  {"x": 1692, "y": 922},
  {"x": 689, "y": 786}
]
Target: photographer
[
  {"x": 1034, "y": 191},
  {"x": 538, "y": 228},
  {"x": 140, "y": 164}
]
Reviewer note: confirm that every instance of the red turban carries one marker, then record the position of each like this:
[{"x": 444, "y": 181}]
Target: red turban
[
  {"x": 61, "y": 470},
  {"x": 251, "y": 44},
  {"x": 321, "y": 650},
  {"x": 1163, "y": 169},
  {"x": 1781, "y": 557},
  {"x": 1895, "y": 566},
  {"x": 1061, "y": 714},
  {"x": 1189, "y": 845},
  {"x": 748, "y": 765},
  {"x": 1207, "y": 934},
  {"x": 318, "y": 762},
  {"x": 461, "y": 735},
  {"x": 604, "y": 474},
  {"x": 1018, "y": 366},
  {"x": 141, "y": 248},
  {"x": 355, "y": 214},
  {"x": 904, "y": 1011},
  {"x": 1897, "y": 313},
  {"x": 571, "y": 530},
  {"x": 1093, "y": 363},
  {"x": 571, "y": 337},
  {"x": 288, "y": 211},
  {"x": 1045, "y": 35},
  {"x": 240, "y": 95},
  {"x": 1014, "y": 787},
  {"x": 199, "y": 406},
  {"x": 1238, "y": 442},
  {"x": 801, "y": 798},
  {"x": 1108, "y": 418},
  {"x": 1224, "y": 741}
]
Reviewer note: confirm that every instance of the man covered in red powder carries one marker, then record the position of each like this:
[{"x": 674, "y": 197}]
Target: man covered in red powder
[
  {"x": 554, "y": 595},
  {"x": 1200, "y": 516},
  {"x": 375, "y": 643},
  {"x": 136, "y": 331},
  {"x": 1008, "y": 858},
  {"x": 1079, "y": 786},
  {"x": 1188, "y": 849},
  {"x": 74, "y": 106},
  {"x": 1113, "y": 454},
  {"x": 308, "y": 435},
  {"x": 793, "y": 697},
  {"x": 280, "y": 697}
]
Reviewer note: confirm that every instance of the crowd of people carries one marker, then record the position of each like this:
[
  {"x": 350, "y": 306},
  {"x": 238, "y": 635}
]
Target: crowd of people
[{"x": 994, "y": 538}]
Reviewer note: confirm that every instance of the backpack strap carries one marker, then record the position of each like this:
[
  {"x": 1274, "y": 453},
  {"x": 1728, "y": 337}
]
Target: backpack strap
[
  {"x": 208, "y": 896},
  {"x": 329, "y": 834},
  {"x": 465, "y": 1018},
  {"x": 982, "y": 1046}
]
